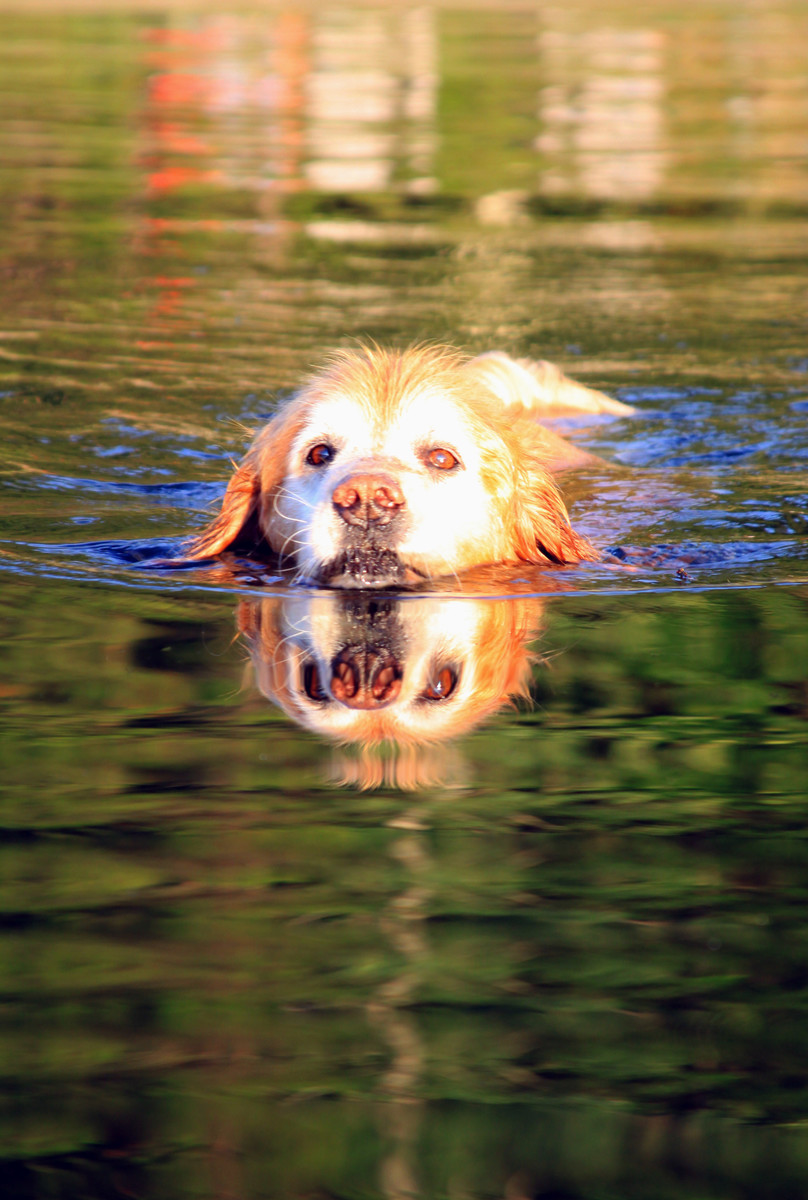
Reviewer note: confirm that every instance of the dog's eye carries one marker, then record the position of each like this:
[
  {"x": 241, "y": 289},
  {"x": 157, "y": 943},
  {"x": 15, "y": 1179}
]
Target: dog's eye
[
  {"x": 311, "y": 683},
  {"x": 441, "y": 686},
  {"x": 320, "y": 454},
  {"x": 441, "y": 458}
]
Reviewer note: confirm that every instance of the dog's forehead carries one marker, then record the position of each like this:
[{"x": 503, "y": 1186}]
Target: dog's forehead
[
  {"x": 334, "y": 415},
  {"x": 415, "y": 416},
  {"x": 430, "y": 414}
]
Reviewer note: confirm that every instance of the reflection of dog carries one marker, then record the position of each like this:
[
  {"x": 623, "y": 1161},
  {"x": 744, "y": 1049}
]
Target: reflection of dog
[
  {"x": 367, "y": 668},
  {"x": 389, "y": 468}
]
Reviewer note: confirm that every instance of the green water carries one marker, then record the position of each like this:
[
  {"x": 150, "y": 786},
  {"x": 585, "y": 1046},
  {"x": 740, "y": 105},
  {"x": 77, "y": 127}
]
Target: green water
[{"x": 563, "y": 953}]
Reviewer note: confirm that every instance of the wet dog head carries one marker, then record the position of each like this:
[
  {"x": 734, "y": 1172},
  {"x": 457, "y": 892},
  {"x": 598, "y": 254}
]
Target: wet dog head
[{"x": 390, "y": 468}]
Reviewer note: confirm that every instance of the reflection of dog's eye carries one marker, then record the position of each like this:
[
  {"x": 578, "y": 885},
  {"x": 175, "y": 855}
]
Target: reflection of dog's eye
[
  {"x": 311, "y": 682},
  {"x": 441, "y": 458},
  {"x": 441, "y": 686},
  {"x": 320, "y": 454}
]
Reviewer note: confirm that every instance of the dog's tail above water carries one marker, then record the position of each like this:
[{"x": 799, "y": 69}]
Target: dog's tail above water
[{"x": 539, "y": 387}]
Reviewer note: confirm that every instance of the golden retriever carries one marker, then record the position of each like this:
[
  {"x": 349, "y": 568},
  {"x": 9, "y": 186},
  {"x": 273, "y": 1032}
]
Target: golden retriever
[{"x": 390, "y": 468}]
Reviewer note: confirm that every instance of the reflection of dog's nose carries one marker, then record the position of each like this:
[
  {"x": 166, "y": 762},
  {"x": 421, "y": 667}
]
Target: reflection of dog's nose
[
  {"x": 369, "y": 679},
  {"x": 370, "y": 498}
]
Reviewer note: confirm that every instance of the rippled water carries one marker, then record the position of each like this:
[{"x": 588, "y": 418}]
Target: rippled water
[{"x": 558, "y": 950}]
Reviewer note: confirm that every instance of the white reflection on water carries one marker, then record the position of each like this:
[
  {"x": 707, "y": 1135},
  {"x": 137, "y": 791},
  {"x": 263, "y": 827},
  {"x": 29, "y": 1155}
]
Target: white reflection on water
[
  {"x": 353, "y": 100},
  {"x": 339, "y": 100},
  {"x": 601, "y": 111},
  {"x": 370, "y": 100}
]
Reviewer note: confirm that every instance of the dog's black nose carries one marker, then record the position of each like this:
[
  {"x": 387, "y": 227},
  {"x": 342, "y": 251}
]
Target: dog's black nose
[{"x": 371, "y": 498}]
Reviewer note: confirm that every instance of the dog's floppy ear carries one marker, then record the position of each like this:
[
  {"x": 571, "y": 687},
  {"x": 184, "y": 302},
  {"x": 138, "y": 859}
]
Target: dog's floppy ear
[
  {"x": 541, "y": 526},
  {"x": 239, "y": 513},
  {"x": 250, "y": 491}
]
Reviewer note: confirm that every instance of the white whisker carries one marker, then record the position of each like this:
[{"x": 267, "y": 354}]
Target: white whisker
[{"x": 282, "y": 489}]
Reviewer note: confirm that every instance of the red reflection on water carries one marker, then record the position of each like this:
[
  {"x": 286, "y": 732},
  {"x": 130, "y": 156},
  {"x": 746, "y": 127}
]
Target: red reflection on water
[{"x": 223, "y": 110}]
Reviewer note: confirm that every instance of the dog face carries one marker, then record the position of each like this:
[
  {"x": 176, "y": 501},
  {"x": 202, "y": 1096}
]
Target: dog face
[
  {"x": 386, "y": 493},
  {"x": 389, "y": 469}
]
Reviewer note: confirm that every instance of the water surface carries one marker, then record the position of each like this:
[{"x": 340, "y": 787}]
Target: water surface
[{"x": 560, "y": 950}]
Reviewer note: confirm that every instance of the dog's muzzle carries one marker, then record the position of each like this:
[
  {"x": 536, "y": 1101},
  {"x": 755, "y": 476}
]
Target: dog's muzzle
[
  {"x": 366, "y": 565},
  {"x": 372, "y": 506}
]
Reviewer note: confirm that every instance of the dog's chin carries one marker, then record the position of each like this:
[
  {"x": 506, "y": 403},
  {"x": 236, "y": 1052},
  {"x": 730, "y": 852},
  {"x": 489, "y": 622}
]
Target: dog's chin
[{"x": 366, "y": 567}]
